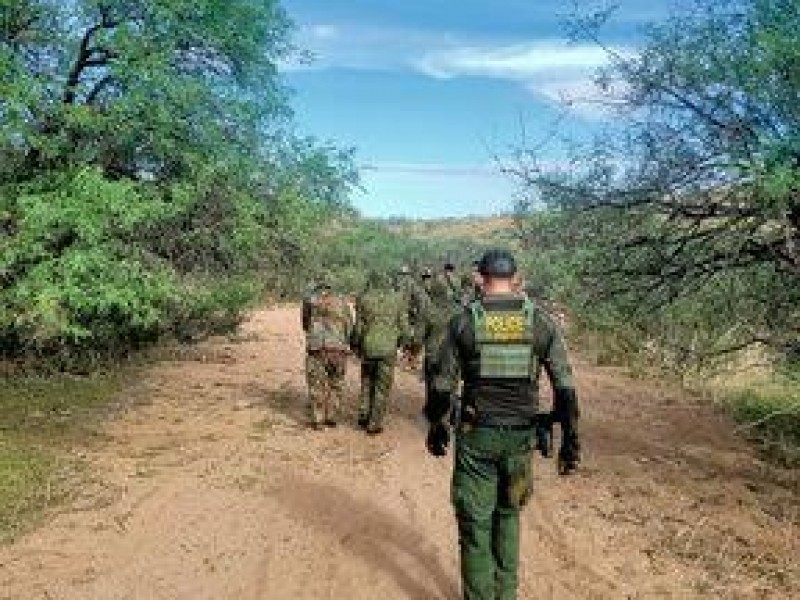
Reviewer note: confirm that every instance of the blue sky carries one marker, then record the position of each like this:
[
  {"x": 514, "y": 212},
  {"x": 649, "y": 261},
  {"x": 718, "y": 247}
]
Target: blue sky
[{"x": 432, "y": 93}]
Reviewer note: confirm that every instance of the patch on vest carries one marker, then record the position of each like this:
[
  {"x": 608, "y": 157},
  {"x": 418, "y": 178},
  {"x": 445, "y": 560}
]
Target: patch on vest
[
  {"x": 505, "y": 327},
  {"x": 505, "y": 342},
  {"x": 499, "y": 361}
]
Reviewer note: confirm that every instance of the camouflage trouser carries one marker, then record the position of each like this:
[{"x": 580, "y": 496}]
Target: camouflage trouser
[
  {"x": 492, "y": 480},
  {"x": 325, "y": 376},
  {"x": 377, "y": 377}
]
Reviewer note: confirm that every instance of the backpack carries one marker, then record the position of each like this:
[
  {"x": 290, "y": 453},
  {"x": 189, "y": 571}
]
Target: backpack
[
  {"x": 328, "y": 329},
  {"x": 379, "y": 318}
]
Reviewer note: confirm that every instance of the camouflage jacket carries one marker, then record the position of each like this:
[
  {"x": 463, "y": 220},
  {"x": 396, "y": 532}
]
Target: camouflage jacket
[{"x": 327, "y": 322}]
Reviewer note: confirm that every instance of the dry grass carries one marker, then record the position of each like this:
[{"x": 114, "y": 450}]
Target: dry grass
[
  {"x": 41, "y": 419},
  {"x": 472, "y": 228}
]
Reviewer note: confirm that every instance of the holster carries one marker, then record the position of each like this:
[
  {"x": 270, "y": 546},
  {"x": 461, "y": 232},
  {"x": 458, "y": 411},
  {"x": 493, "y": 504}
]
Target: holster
[{"x": 465, "y": 418}]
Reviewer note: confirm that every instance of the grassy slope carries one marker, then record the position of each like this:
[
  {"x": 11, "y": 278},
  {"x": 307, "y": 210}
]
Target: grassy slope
[
  {"x": 475, "y": 232},
  {"x": 40, "y": 419},
  {"x": 475, "y": 228}
]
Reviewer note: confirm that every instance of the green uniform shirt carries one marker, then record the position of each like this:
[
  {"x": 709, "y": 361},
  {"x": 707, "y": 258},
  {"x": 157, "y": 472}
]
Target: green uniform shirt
[
  {"x": 381, "y": 323},
  {"x": 432, "y": 324},
  {"x": 497, "y": 398}
]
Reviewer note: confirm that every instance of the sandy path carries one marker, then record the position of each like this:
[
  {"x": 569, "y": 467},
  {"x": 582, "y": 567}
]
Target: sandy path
[{"x": 210, "y": 488}]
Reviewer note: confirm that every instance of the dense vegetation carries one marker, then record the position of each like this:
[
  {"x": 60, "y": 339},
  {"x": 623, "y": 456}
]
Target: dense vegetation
[
  {"x": 356, "y": 246},
  {"x": 150, "y": 180},
  {"x": 680, "y": 224}
]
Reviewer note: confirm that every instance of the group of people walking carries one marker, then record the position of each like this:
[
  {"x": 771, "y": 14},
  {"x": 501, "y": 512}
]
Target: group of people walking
[
  {"x": 403, "y": 313},
  {"x": 484, "y": 345}
]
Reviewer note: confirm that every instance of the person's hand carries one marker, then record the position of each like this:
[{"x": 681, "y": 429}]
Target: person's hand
[{"x": 438, "y": 439}]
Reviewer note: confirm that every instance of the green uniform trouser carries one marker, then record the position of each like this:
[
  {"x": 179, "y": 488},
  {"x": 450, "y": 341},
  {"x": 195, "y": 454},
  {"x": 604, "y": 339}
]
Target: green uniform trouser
[
  {"x": 429, "y": 373},
  {"x": 377, "y": 378},
  {"x": 325, "y": 373},
  {"x": 492, "y": 480}
]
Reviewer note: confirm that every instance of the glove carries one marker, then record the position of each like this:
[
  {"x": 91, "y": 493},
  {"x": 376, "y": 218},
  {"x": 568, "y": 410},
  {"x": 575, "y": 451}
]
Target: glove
[
  {"x": 565, "y": 407},
  {"x": 544, "y": 435},
  {"x": 566, "y": 412},
  {"x": 438, "y": 439},
  {"x": 569, "y": 455}
]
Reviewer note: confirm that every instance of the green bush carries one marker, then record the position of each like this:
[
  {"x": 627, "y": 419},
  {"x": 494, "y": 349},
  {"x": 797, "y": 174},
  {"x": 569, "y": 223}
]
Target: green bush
[
  {"x": 83, "y": 279},
  {"x": 770, "y": 414}
]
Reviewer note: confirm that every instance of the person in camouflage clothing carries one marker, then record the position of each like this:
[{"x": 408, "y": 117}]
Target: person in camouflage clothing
[
  {"x": 498, "y": 346},
  {"x": 328, "y": 325},
  {"x": 426, "y": 279},
  {"x": 381, "y": 328},
  {"x": 407, "y": 286},
  {"x": 436, "y": 311},
  {"x": 414, "y": 295},
  {"x": 461, "y": 288}
]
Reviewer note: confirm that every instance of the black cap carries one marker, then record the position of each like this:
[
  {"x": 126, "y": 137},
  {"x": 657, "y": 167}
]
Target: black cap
[{"x": 497, "y": 263}]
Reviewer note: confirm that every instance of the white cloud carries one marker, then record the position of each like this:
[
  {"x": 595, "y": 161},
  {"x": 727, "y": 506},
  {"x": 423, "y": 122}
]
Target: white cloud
[
  {"x": 324, "y": 31},
  {"x": 581, "y": 95},
  {"x": 517, "y": 61},
  {"x": 553, "y": 70}
]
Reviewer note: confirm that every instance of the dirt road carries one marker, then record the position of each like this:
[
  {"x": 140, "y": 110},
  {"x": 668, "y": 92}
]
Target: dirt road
[{"x": 209, "y": 487}]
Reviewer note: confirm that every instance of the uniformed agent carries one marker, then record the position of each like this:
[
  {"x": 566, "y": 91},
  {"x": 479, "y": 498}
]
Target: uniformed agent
[
  {"x": 434, "y": 318},
  {"x": 499, "y": 344},
  {"x": 327, "y": 323},
  {"x": 381, "y": 329},
  {"x": 426, "y": 279}
]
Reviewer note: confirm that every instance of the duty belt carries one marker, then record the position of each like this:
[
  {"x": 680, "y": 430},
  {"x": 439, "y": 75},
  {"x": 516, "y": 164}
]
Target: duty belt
[
  {"x": 513, "y": 423},
  {"x": 540, "y": 425}
]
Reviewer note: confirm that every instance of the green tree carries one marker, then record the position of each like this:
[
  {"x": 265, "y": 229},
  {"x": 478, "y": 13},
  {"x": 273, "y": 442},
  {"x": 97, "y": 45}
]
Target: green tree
[
  {"x": 686, "y": 212},
  {"x": 142, "y": 88},
  {"x": 149, "y": 172}
]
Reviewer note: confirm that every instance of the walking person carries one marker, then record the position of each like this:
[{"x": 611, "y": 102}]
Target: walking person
[
  {"x": 381, "y": 328},
  {"x": 498, "y": 346},
  {"x": 328, "y": 324}
]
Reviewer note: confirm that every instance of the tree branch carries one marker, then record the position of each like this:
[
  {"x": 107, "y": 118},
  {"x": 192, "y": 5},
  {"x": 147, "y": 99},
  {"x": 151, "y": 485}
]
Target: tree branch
[
  {"x": 98, "y": 87},
  {"x": 88, "y": 57}
]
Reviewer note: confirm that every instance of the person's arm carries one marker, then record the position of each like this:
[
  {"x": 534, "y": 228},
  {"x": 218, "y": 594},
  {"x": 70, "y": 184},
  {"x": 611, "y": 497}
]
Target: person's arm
[
  {"x": 306, "y": 314},
  {"x": 445, "y": 383},
  {"x": 565, "y": 400},
  {"x": 406, "y": 335},
  {"x": 347, "y": 317},
  {"x": 446, "y": 376},
  {"x": 358, "y": 328}
]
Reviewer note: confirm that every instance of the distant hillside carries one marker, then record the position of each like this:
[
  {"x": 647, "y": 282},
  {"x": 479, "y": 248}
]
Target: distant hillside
[{"x": 497, "y": 230}]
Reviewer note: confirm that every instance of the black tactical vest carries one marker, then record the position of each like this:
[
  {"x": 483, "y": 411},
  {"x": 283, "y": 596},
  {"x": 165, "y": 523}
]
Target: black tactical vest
[{"x": 501, "y": 369}]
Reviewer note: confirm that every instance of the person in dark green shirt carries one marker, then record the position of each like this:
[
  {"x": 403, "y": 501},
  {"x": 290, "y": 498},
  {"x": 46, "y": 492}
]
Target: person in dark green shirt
[
  {"x": 381, "y": 328},
  {"x": 435, "y": 313},
  {"x": 498, "y": 346}
]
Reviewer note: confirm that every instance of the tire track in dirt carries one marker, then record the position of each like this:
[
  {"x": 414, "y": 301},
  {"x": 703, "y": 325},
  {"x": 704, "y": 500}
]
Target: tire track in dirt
[{"x": 210, "y": 487}]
